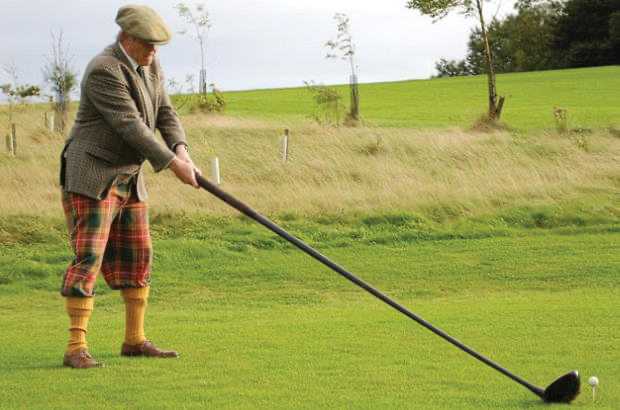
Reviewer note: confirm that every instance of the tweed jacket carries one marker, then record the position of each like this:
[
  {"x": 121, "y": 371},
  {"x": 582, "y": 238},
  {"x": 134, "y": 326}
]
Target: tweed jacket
[{"x": 114, "y": 130}]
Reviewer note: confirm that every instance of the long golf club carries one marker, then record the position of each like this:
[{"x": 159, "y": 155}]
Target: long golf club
[{"x": 562, "y": 390}]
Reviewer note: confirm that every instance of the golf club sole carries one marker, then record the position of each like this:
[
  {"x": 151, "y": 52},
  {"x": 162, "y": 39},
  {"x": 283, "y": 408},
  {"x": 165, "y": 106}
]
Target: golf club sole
[{"x": 563, "y": 390}]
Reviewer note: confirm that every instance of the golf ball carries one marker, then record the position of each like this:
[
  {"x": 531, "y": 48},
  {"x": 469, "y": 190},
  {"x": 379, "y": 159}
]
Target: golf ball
[{"x": 593, "y": 381}]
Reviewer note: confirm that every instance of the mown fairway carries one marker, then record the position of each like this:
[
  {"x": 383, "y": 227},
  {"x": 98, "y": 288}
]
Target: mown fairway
[
  {"x": 507, "y": 240},
  {"x": 271, "y": 328}
]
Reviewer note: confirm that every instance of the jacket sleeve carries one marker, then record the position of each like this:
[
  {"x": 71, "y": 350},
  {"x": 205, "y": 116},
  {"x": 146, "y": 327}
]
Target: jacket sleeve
[
  {"x": 168, "y": 122},
  {"x": 111, "y": 97}
]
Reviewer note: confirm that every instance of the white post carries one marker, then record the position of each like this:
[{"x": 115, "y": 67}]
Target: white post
[
  {"x": 284, "y": 146},
  {"x": 215, "y": 170},
  {"x": 52, "y": 122},
  {"x": 202, "y": 86}
]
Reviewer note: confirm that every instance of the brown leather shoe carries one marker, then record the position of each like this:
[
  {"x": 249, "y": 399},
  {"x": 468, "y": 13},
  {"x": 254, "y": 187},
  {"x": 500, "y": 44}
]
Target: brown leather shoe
[
  {"x": 146, "y": 349},
  {"x": 80, "y": 360}
]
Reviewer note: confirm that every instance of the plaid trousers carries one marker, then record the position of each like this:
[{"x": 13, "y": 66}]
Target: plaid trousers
[{"x": 109, "y": 235}]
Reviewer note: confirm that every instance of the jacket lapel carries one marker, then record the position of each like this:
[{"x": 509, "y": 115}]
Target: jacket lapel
[
  {"x": 149, "y": 79},
  {"x": 145, "y": 105},
  {"x": 145, "y": 93}
]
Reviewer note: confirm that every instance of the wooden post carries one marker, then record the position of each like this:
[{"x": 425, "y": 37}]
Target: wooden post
[
  {"x": 46, "y": 121},
  {"x": 9, "y": 142},
  {"x": 52, "y": 122},
  {"x": 215, "y": 170},
  {"x": 14, "y": 139},
  {"x": 284, "y": 146},
  {"x": 500, "y": 105}
]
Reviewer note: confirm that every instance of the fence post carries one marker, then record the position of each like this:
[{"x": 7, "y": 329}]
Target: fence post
[
  {"x": 215, "y": 170},
  {"x": 14, "y": 139},
  {"x": 284, "y": 146},
  {"x": 49, "y": 121},
  {"x": 9, "y": 142}
]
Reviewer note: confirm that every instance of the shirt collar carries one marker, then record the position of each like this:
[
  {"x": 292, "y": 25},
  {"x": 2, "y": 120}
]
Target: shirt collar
[{"x": 133, "y": 62}]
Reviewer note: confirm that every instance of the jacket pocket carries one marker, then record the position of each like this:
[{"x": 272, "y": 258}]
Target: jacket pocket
[{"x": 102, "y": 153}]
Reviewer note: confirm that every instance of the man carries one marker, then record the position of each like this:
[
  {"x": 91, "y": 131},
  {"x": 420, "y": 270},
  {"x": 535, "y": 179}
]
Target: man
[{"x": 122, "y": 103}]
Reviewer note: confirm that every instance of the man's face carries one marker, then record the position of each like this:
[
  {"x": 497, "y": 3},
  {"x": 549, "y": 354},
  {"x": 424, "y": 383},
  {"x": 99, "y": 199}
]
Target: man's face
[{"x": 141, "y": 51}]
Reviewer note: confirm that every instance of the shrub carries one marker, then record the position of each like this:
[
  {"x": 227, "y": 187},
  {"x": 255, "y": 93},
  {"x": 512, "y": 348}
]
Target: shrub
[{"x": 328, "y": 102}]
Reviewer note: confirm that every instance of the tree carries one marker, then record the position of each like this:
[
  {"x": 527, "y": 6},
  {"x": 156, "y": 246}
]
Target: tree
[
  {"x": 439, "y": 9},
  {"x": 22, "y": 92},
  {"x": 16, "y": 93},
  {"x": 200, "y": 22},
  {"x": 62, "y": 79},
  {"x": 529, "y": 35},
  {"x": 614, "y": 31},
  {"x": 587, "y": 33},
  {"x": 344, "y": 49},
  {"x": 499, "y": 45},
  {"x": 451, "y": 68},
  {"x": 520, "y": 42}
]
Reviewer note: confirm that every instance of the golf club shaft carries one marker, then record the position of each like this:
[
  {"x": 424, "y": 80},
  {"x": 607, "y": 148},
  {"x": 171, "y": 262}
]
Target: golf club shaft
[{"x": 240, "y": 206}]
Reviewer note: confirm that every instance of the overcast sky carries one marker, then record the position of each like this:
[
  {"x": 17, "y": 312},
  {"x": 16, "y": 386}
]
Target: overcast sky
[{"x": 252, "y": 43}]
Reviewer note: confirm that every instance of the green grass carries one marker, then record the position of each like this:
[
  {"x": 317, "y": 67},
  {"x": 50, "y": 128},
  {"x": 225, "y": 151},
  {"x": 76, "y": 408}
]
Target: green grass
[
  {"x": 590, "y": 95},
  {"x": 506, "y": 240},
  {"x": 268, "y": 327}
]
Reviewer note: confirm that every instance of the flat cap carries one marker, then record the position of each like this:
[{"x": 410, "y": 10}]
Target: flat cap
[{"x": 144, "y": 23}]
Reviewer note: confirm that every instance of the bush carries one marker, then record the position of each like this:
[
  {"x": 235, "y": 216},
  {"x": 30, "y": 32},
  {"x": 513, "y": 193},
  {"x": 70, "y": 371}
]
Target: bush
[
  {"x": 194, "y": 103},
  {"x": 328, "y": 101}
]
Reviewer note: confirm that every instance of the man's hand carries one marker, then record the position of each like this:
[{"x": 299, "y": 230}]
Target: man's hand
[
  {"x": 184, "y": 168},
  {"x": 184, "y": 171},
  {"x": 183, "y": 155}
]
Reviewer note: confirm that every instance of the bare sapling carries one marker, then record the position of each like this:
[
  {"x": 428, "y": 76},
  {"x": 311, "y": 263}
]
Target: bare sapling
[
  {"x": 200, "y": 23},
  {"x": 344, "y": 49},
  {"x": 62, "y": 79}
]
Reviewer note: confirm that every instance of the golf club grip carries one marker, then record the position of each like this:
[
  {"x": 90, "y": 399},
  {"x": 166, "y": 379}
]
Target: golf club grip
[{"x": 240, "y": 206}]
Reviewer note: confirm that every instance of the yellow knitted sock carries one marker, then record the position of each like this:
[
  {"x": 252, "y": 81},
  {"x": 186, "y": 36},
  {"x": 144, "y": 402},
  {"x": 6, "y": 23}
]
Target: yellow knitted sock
[
  {"x": 78, "y": 310},
  {"x": 135, "y": 306}
]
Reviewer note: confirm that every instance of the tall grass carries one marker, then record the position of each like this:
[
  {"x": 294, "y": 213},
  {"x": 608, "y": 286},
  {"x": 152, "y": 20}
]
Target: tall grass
[{"x": 442, "y": 175}]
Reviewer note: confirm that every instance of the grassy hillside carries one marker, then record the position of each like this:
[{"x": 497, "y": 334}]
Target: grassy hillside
[
  {"x": 590, "y": 95},
  {"x": 437, "y": 176}
]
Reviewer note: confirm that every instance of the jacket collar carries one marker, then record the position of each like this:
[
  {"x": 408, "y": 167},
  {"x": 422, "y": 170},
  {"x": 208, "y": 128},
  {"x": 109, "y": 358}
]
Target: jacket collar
[
  {"x": 120, "y": 55},
  {"x": 124, "y": 58},
  {"x": 133, "y": 62}
]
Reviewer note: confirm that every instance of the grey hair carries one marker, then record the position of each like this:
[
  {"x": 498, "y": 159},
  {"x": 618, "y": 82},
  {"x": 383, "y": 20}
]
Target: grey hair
[{"x": 119, "y": 35}]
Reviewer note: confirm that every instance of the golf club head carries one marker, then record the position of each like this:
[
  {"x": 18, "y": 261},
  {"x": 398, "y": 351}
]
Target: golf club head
[{"x": 564, "y": 389}]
